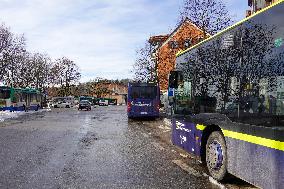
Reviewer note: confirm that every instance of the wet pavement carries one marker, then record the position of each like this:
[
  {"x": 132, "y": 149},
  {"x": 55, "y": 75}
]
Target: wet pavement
[{"x": 67, "y": 148}]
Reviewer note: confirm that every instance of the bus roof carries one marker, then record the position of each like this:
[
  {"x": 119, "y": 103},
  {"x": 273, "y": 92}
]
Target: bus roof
[
  {"x": 5, "y": 87},
  {"x": 26, "y": 90},
  {"x": 227, "y": 29},
  {"x": 142, "y": 84},
  {"x": 29, "y": 90}
]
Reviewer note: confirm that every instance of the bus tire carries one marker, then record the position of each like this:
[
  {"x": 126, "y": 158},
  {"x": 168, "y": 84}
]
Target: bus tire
[{"x": 216, "y": 155}]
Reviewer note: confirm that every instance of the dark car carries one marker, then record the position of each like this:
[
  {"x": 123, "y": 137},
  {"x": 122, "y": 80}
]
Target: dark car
[{"x": 84, "y": 104}]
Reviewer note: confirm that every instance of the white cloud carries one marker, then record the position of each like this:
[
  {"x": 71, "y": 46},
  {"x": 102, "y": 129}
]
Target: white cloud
[{"x": 100, "y": 36}]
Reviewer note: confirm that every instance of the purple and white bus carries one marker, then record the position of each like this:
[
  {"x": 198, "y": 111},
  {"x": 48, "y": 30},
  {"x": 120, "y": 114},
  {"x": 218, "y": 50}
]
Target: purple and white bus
[
  {"x": 143, "y": 100},
  {"x": 228, "y": 100}
]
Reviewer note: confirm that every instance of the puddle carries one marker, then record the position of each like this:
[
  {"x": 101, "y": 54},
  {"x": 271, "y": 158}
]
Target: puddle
[{"x": 89, "y": 139}]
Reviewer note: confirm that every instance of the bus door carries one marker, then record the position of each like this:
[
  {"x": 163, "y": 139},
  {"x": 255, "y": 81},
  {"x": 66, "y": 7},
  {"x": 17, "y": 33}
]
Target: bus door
[
  {"x": 184, "y": 132},
  {"x": 5, "y": 98},
  {"x": 27, "y": 99}
]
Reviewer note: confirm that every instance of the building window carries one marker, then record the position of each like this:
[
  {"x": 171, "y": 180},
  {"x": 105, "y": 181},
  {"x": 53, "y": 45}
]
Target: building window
[
  {"x": 187, "y": 43},
  {"x": 173, "y": 44},
  {"x": 199, "y": 39}
]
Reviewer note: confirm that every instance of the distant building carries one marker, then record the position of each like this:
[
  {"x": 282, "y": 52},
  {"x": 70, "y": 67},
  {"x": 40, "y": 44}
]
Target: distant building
[
  {"x": 257, "y": 5},
  {"x": 113, "y": 90},
  {"x": 165, "y": 47}
]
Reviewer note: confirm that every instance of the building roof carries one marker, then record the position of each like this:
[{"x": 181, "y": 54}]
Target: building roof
[
  {"x": 186, "y": 20},
  {"x": 159, "y": 38}
]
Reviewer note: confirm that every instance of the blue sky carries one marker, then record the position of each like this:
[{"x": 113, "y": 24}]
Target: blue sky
[{"x": 101, "y": 36}]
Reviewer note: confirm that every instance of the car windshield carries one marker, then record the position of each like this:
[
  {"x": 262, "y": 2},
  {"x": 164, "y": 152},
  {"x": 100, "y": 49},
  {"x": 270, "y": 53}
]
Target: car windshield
[{"x": 84, "y": 102}]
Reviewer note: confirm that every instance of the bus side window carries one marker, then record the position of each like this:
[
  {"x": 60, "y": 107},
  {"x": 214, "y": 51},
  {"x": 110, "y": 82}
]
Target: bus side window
[{"x": 134, "y": 95}]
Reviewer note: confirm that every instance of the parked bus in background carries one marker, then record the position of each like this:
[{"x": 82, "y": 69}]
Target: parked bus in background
[
  {"x": 143, "y": 100},
  {"x": 20, "y": 99},
  {"x": 228, "y": 100},
  {"x": 63, "y": 102},
  {"x": 106, "y": 101}
]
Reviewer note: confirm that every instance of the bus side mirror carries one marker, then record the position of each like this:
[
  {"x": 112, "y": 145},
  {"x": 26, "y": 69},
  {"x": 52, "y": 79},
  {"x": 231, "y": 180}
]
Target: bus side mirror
[{"x": 173, "y": 79}]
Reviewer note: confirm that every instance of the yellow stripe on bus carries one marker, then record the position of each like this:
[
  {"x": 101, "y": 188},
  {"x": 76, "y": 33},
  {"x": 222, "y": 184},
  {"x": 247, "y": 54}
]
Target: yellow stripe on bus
[
  {"x": 181, "y": 52},
  {"x": 278, "y": 145},
  {"x": 200, "y": 127}
]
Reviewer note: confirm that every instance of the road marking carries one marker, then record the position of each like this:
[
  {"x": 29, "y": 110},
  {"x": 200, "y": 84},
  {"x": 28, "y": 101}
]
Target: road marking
[
  {"x": 145, "y": 135},
  {"x": 163, "y": 127},
  {"x": 215, "y": 182},
  {"x": 167, "y": 122},
  {"x": 157, "y": 145},
  {"x": 204, "y": 174},
  {"x": 183, "y": 155},
  {"x": 186, "y": 168}
]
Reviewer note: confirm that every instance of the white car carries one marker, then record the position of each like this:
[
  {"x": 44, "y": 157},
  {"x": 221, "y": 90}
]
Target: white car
[
  {"x": 62, "y": 104},
  {"x": 103, "y": 102}
]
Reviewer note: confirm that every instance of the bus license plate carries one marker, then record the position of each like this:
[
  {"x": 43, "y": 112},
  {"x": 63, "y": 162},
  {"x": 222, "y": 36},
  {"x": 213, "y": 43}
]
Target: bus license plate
[{"x": 143, "y": 113}]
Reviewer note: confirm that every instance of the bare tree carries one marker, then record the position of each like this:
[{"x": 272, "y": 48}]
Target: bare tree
[
  {"x": 145, "y": 68},
  {"x": 23, "y": 71},
  {"x": 19, "y": 68},
  {"x": 68, "y": 74},
  {"x": 209, "y": 15},
  {"x": 14, "y": 58},
  {"x": 41, "y": 66},
  {"x": 10, "y": 48}
]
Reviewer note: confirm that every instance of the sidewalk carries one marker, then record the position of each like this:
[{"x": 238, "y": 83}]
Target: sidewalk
[{"x": 4, "y": 115}]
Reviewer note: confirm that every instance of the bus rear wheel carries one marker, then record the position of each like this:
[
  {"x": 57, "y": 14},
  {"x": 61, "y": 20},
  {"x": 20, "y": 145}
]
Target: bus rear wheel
[{"x": 216, "y": 155}]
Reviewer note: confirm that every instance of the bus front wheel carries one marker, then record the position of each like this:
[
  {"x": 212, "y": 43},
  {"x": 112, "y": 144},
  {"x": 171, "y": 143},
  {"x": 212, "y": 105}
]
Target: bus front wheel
[{"x": 216, "y": 155}]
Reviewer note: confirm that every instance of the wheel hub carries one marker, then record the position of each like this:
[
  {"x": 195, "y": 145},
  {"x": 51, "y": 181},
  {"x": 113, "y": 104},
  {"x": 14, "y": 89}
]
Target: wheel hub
[{"x": 215, "y": 156}]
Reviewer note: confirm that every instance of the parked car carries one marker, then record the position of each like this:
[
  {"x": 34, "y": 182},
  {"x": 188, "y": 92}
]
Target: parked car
[
  {"x": 103, "y": 102},
  {"x": 84, "y": 104},
  {"x": 62, "y": 104}
]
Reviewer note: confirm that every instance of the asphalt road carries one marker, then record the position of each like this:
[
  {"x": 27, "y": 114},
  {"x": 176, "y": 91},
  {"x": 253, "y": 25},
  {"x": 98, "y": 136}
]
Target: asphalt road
[{"x": 67, "y": 148}]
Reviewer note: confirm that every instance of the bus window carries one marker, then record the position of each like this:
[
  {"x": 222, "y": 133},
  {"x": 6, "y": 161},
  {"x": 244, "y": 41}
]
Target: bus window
[
  {"x": 18, "y": 97},
  {"x": 183, "y": 104},
  {"x": 173, "y": 79},
  {"x": 147, "y": 92},
  {"x": 5, "y": 93}
]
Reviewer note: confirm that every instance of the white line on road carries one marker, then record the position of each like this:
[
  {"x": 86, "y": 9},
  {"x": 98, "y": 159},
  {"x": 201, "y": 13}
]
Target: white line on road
[
  {"x": 215, "y": 182},
  {"x": 157, "y": 145},
  {"x": 145, "y": 135},
  {"x": 167, "y": 122},
  {"x": 183, "y": 155},
  {"x": 164, "y": 128}
]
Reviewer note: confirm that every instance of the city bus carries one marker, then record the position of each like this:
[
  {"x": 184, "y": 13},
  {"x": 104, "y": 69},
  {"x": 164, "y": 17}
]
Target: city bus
[
  {"x": 228, "y": 100},
  {"x": 143, "y": 100},
  {"x": 19, "y": 99}
]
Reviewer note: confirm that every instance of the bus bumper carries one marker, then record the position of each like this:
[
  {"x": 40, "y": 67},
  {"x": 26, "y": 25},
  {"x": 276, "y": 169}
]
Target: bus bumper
[{"x": 141, "y": 114}]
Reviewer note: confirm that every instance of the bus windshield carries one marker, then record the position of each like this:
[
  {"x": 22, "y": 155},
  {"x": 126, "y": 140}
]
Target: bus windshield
[{"x": 145, "y": 92}]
